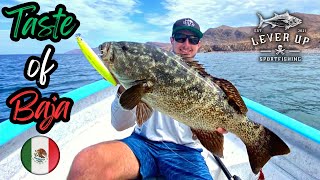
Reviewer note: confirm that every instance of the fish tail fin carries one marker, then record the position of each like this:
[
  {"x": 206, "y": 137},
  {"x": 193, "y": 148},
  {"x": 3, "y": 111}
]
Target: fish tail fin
[
  {"x": 267, "y": 146},
  {"x": 261, "y": 20}
]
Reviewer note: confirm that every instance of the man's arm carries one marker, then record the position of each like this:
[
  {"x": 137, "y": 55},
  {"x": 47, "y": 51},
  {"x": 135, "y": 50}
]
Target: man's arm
[{"x": 121, "y": 119}]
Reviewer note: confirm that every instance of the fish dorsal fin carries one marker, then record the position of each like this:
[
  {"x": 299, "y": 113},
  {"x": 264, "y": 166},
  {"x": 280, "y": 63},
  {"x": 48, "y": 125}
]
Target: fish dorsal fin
[
  {"x": 275, "y": 14},
  {"x": 211, "y": 140},
  {"x": 133, "y": 95},
  {"x": 143, "y": 112},
  {"x": 233, "y": 96},
  {"x": 198, "y": 67}
]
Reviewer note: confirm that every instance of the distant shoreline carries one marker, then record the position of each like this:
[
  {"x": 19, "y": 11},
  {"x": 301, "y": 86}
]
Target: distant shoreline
[
  {"x": 310, "y": 51},
  {"x": 316, "y": 50}
]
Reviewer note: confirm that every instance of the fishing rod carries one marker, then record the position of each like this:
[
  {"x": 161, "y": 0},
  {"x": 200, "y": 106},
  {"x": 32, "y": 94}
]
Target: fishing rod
[{"x": 225, "y": 170}]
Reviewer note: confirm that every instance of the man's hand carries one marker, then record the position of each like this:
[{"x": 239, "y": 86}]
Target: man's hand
[
  {"x": 120, "y": 90},
  {"x": 221, "y": 130}
]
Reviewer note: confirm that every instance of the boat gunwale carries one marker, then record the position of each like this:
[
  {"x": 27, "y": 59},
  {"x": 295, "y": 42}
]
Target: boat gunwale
[{"x": 14, "y": 130}]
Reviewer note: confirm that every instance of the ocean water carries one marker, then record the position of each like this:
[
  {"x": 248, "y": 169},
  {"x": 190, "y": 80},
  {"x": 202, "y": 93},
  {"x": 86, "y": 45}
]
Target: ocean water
[
  {"x": 290, "y": 88},
  {"x": 73, "y": 72}
]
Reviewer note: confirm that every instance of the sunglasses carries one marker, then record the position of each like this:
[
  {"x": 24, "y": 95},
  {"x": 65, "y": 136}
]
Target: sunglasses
[{"x": 181, "y": 38}]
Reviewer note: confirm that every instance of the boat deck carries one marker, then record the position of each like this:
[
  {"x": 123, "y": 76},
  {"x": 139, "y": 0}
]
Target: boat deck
[{"x": 90, "y": 124}]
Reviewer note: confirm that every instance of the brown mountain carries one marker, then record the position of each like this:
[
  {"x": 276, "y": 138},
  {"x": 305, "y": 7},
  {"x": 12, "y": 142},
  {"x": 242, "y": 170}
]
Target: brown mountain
[
  {"x": 165, "y": 46},
  {"x": 78, "y": 51},
  {"x": 226, "y": 38}
]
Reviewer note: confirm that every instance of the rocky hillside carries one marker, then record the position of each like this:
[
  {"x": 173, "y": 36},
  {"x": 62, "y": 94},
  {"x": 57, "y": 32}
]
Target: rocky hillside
[
  {"x": 225, "y": 38},
  {"x": 165, "y": 46},
  {"x": 78, "y": 51}
]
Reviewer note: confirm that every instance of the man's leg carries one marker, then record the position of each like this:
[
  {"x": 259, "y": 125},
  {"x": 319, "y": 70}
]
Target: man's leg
[{"x": 107, "y": 160}]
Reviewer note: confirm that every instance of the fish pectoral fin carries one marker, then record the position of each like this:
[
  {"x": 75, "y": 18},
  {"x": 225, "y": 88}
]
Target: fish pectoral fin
[
  {"x": 273, "y": 26},
  {"x": 132, "y": 96},
  {"x": 211, "y": 140},
  {"x": 143, "y": 112},
  {"x": 285, "y": 21},
  {"x": 233, "y": 96}
]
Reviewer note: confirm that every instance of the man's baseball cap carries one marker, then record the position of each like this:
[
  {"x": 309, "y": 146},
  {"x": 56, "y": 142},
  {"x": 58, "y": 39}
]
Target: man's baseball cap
[{"x": 187, "y": 24}]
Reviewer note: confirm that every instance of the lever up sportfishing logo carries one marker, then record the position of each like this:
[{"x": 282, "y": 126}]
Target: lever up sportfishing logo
[{"x": 280, "y": 38}]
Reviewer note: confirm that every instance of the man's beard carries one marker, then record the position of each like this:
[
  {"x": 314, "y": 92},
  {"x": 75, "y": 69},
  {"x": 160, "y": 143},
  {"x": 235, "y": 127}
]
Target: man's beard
[{"x": 184, "y": 55}]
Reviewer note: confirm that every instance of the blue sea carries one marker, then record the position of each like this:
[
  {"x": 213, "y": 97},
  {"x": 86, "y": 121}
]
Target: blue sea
[{"x": 291, "y": 88}]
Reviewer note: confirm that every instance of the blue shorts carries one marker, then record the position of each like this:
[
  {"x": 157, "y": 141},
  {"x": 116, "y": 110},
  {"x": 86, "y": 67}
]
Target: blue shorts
[{"x": 166, "y": 159}]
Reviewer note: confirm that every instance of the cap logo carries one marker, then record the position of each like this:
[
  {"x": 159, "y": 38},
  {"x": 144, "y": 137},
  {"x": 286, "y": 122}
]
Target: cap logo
[{"x": 188, "y": 22}]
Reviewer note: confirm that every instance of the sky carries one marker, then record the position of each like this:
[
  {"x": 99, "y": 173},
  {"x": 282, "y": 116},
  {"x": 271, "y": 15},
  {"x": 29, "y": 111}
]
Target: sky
[{"x": 145, "y": 20}]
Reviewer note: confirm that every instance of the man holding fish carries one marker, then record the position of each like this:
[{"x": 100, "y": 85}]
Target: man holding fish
[
  {"x": 195, "y": 103},
  {"x": 133, "y": 157}
]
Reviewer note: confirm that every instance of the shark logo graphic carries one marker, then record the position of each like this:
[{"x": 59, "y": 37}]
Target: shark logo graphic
[
  {"x": 280, "y": 38},
  {"x": 279, "y": 20}
]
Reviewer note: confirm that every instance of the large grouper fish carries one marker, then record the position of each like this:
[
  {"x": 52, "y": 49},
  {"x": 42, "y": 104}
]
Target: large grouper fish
[{"x": 180, "y": 87}]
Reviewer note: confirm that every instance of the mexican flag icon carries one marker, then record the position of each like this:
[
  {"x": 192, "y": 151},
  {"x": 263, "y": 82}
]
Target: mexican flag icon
[{"x": 40, "y": 155}]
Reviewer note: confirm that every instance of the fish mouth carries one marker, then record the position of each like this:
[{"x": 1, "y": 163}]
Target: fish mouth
[
  {"x": 299, "y": 21},
  {"x": 107, "y": 53},
  {"x": 107, "y": 48},
  {"x": 108, "y": 57}
]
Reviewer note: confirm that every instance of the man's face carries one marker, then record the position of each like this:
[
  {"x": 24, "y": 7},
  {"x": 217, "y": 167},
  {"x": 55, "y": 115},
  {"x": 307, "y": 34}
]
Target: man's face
[{"x": 185, "y": 49}]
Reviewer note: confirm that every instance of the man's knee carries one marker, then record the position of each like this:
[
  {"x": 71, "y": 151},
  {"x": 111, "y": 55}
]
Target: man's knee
[
  {"x": 85, "y": 165},
  {"x": 80, "y": 164},
  {"x": 101, "y": 161}
]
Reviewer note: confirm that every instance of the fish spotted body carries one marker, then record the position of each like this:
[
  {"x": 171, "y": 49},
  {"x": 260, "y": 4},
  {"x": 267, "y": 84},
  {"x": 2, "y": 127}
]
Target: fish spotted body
[{"x": 180, "y": 88}]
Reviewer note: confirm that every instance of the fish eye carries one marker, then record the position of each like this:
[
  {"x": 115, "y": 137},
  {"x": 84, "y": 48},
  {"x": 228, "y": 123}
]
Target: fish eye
[{"x": 125, "y": 48}]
